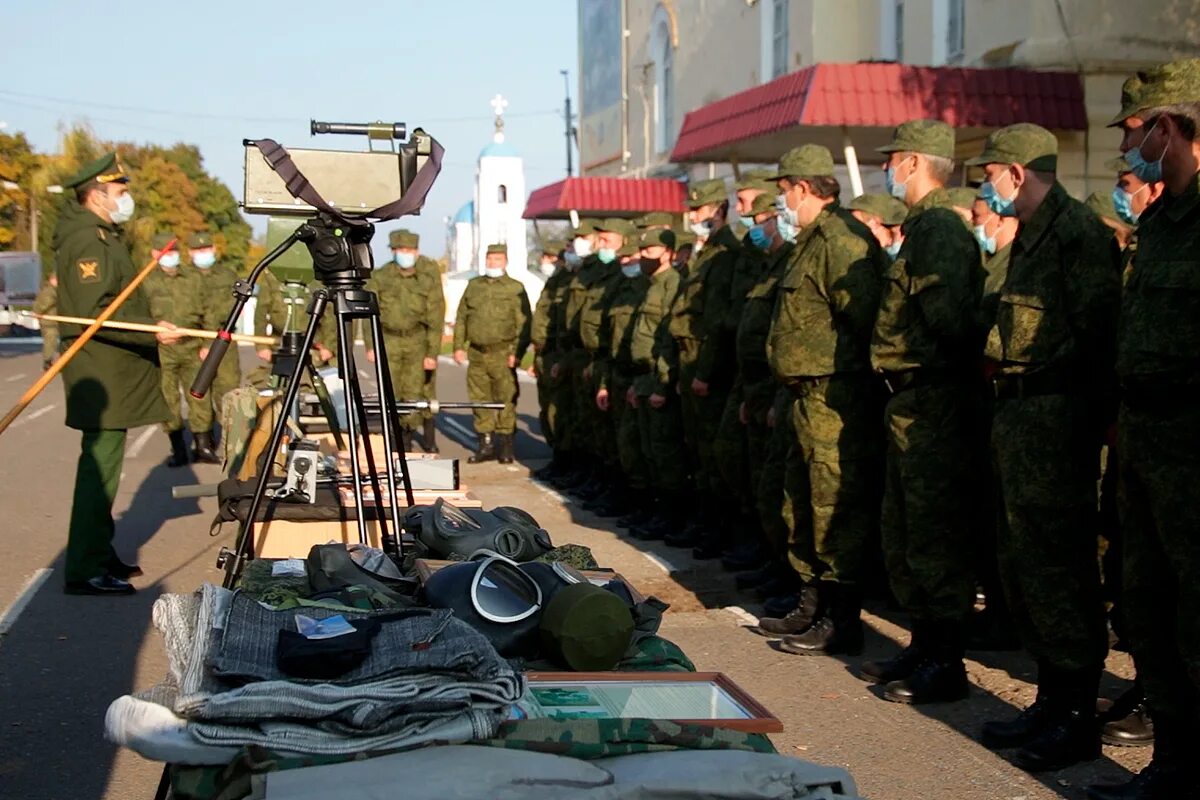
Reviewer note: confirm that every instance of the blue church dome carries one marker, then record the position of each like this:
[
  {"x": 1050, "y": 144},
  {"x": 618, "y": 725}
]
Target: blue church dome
[
  {"x": 466, "y": 213},
  {"x": 499, "y": 150}
]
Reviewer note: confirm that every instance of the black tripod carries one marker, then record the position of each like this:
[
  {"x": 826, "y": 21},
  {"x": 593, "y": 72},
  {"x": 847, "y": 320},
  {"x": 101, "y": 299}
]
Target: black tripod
[{"x": 341, "y": 261}]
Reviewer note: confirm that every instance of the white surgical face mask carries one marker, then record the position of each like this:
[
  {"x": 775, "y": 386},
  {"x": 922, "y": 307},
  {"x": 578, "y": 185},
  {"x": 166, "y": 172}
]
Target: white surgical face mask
[
  {"x": 548, "y": 268},
  {"x": 169, "y": 260},
  {"x": 203, "y": 259},
  {"x": 406, "y": 260},
  {"x": 493, "y": 272},
  {"x": 124, "y": 210},
  {"x": 583, "y": 247}
]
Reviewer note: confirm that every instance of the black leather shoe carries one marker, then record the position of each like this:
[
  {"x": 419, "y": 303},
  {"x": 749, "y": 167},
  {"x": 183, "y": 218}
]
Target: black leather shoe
[
  {"x": 486, "y": 451},
  {"x": 897, "y": 668},
  {"x": 1018, "y": 732},
  {"x": 1134, "y": 730},
  {"x": 649, "y": 532},
  {"x": 504, "y": 448},
  {"x": 179, "y": 453},
  {"x": 779, "y": 605},
  {"x": 708, "y": 549},
  {"x": 682, "y": 538},
  {"x": 119, "y": 569},
  {"x": 796, "y": 621},
  {"x": 1070, "y": 739},
  {"x": 203, "y": 449},
  {"x": 756, "y": 577},
  {"x": 102, "y": 585},
  {"x": 932, "y": 682},
  {"x": 429, "y": 437},
  {"x": 826, "y": 638},
  {"x": 1155, "y": 782},
  {"x": 777, "y": 587},
  {"x": 747, "y": 556}
]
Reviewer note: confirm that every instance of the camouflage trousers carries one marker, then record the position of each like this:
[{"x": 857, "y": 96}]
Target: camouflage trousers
[
  {"x": 836, "y": 468},
  {"x": 180, "y": 363},
  {"x": 49, "y": 341},
  {"x": 660, "y": 431},
  {"x": 772, "y": 499},
  {"x": 1160, "y": 517},
  {"x": 229, "y": 377},
  {"x": 1046, "y": 536},
  {"x": 925, "y": 524},
  {"x": 634, "y": 465},
  {"x": 491, "y": 380},
  {"x": 568, "y": 438},
  {"x": 731, "y": 458},
  {"x": 547, "y": 401},
  {"x": 594, "y": 426},
  {"x": 701, "y": 420},
  {"x": 405, "y": 355}
]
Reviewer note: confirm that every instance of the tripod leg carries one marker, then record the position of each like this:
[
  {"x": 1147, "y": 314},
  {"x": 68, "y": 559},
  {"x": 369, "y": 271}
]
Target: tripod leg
[
  {"x": 391, "y": 428},
  {"x": 351, "y": 399},
  {"x": 360, "y": 409},
  {"x": 326, "y": 404},
  {"x": 245, "y": 541}
]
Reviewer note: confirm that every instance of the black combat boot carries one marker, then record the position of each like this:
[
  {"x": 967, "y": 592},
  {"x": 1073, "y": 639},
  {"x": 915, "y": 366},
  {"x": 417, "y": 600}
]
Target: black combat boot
[
  {"x": 504, "y": 448},
  {"x": 1034, "y": 720},
  {"x": 902, "y": 664},
  {"x": 429, "y": 437},
  {"x": 942, "y": 676},
  {"x": 406, "y": 440},
  {"x": 762, "y": 576},
  {"x": 795, "y": 621},
  {"x": 751, "y": 554},
  {"x": 781, "y": 605},
  {"x": 1136, "y": 729},
  {"x": 1170, "y": 775},
  {"x": 837, "y": 630},
  {"x": 1072, "y": 735},
  {"x": 179, "y": 452},
  {"x": 202, "y": 449},
  {"x": 486, "y": 451}
]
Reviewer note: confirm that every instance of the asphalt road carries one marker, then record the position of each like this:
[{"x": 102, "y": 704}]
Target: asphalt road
[{"x": 64, "y": 659}]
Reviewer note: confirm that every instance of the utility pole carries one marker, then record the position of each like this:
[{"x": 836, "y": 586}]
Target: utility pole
[{"x": 567, "y": 120}]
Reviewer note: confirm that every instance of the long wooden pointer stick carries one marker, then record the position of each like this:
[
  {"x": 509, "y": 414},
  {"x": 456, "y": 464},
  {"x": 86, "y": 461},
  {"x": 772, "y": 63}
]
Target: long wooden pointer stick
[
  {"x": 194, "y": 333},
  {"x": 55, "y": 368}
]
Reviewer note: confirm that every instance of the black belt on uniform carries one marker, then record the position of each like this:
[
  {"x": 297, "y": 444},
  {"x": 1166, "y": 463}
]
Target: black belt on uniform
[
  {"x": 898, "y": 382},
  {"x": 1037, "y": 384},
  {"x": 492, "y": 348}
]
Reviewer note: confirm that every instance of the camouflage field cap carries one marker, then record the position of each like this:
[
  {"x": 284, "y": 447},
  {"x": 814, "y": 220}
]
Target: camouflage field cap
[
  {"x": 805, "y": 161},
  {"x": 657, "y": 237},
  {"x": 628, "y": 248},
  {"x": 655, "y": 219},
  {"x": 703, "y": 193},
  {"x": 1117, "y": 165},
  {"x": 586, "y": 227},
  {"x": 160, "y": 241},
  {"x": 963, "y": 197},
  {"x": 105, "y": 169},
  {"x": 586, "y": 628},
  {"x": 763, "y": 203},
  {"x": 198, "y": 241},
  {"x": 761, "y": 179},
  {"x": 1101, "y": 204},
  {"x": 403, "y": 238},
  {"x": 889, "y": 210},
  {"x": 553, "y": 247},
  {"x": 1026, "y": 144},
  {"x": 619, "y": 226},
  {"x": 684, "y": 239},
  {"x": 928, "y": 136},
  {"x": 497, "y": 249},
  {"x": 1164, "y": 85}
]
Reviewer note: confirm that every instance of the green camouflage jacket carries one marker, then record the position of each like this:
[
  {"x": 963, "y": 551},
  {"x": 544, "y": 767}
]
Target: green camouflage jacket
[
  {"x": 411, "y": 307},
  {"x": 493, "y": 312},
  {"x": 651, "y": 346},
  {"x": 616, "y": 334},
  {"x": 699, "y": 306}
]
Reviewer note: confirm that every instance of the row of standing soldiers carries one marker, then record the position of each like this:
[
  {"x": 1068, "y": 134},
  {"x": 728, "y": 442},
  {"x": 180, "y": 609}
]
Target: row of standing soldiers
[{"x": 927, "y": 387}]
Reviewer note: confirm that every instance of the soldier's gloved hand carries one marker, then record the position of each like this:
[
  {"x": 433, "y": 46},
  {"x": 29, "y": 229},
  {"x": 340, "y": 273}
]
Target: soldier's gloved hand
[
  {"x": 602, "y": 399},
  {"x": 265, "y": 354},
  {"x": 460, "y": 356},
  {"x": 742, "y": 416},
  {"x": 512, "y": 362},
  {"x": 166, "y": 337},
  {"x": 429, "y": 364},
  {"x": 657, "y": 400},
  {"x": 699, "y": 388},
  {"x": 371, "y": 356},
  {"x": 631, "y": 398}
]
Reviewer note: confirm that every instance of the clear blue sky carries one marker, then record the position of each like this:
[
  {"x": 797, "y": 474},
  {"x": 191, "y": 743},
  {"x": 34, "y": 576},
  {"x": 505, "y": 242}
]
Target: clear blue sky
[{"x": 212, "y": 73}]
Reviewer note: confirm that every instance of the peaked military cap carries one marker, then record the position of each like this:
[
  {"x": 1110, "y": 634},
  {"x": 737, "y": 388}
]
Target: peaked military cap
[
  {"x": 403, "y": 238},
  {"x": 628, "y": 248},
  {"x": 761, "y": 179},
  {"x": 1164, "y": 85},
  {"x": 805, "y": 161},
  {"x": 1026, "y": 144},
  {"x": 200, "y": 240},
  {"x": 928, "y": 136},
  {"x": 1101, "y": 204},
  {"x": 684, "y": 239},
  {"x": 657, "y": 237},
  {"x": 655, "y": 219},
  {"x": 763, "y": 203},
  {"x": 553, "y": 247},
  {"x": 160, "y": 240},
  {"x": 963, "y": 197},
  {"x": 889, "y": 210},
  {"x": 1118, "y": 165},
  {"x": 617, "y": 225},
  {"x": 106, "y": 169},
  {"x": 703, "y": 193},
  {"x": 494, "y": 249}
]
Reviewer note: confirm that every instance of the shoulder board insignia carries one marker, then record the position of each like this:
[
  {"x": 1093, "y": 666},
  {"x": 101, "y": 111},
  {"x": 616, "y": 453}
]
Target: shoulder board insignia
[
  {"x": 101, "y": 235},
  {"x": 89, "y": 270}
]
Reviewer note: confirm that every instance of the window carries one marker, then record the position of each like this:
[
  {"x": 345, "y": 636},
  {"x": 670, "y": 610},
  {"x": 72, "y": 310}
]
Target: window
[
  {"x": 779, "y": 38},
  {"x": 662, "y": 53},
  {"x": 502, "y": 194},
  {"x": 955, "y": 30},
  {"x": 898, "y": 22}
]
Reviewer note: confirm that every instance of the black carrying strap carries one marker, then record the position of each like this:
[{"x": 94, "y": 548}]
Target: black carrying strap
[{"x": 299, "y": 187}]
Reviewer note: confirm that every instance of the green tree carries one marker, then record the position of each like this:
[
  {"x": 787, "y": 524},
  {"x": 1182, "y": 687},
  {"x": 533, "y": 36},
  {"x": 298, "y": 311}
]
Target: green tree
[{"x": 19, "y": 165}]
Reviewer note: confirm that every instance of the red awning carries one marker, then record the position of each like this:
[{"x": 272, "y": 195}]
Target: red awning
[
  {"x": 593, "y": 197},
  {"x": 824, "y": 102}
]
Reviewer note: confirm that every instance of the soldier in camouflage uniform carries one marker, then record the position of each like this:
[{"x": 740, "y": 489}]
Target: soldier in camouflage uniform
[
  {"x": 654, "y": 404},
  {"x": 493, "y": 322},
  {"x": 412, "y": 309},
  {"x": 705, "y": 378},
  {"x": 216, "y": 295},
  {"x": 175, "y": 295},
  {"x": 883, "y": 215},
  {"x": 1158, "y": 428},
  {"x": 926, "y": 346},
  {"x": 819, "y": 348},
  {"x": 1051, "y": 353},
  {"x": 46, "y": 302},
  {"x": 543, "y": 335},
  {"x": 283, "y": 307}
]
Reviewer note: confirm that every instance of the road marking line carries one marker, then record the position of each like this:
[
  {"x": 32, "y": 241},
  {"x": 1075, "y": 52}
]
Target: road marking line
[
  {"x": 135, "y": 449},
  {"x": 660, "y": 562},
  {"x": 32, "y": 584},
  {"x": 40, "y": 412},
  {"x": 742, "y": 614},
  {"x": 566, "y": 501},
  {"x": 16, "y": 377},
  {"x": 463, "y": 432},
  {"x": 362, "y": 373}
]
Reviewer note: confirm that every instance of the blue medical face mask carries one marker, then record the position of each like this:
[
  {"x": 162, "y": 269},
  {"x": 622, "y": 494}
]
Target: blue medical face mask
[
  {"x": 759, "y": 238},
  {"x": 1148, "y": 171},
  {"x": 204, "y": 259},
  {"x": 893, "y": 249},
  {"x": 607, "y": 255},
  {"x": 786, "y": 214},
  {"x": 631, "y": 270},
  {"x": 406, "y": 260},
  {"x": 895, "y": 188},
  {"x": 986, "y": 243},
  {"x": 747, "y": 222},
  {"x": 702, "y": 229},
  {"x": 786, "y": 229},
  {"x": 1123, "y": 201},
  {"x": 1004, "y": 206}
]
